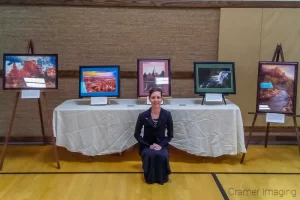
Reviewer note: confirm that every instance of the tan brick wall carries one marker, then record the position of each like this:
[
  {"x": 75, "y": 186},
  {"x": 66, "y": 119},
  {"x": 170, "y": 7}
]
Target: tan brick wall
[{"x": 91, "y": 36}]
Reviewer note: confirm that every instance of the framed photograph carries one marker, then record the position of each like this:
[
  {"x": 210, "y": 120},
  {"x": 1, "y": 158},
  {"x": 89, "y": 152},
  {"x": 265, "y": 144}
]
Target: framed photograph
[
  {"x": 214, "y": 77},
  {"x": 277, "y": 87},
  {"x": 153, "y": 73},
  {"x": 30, "y": 71},
  {"x": 99, "y": 81}
]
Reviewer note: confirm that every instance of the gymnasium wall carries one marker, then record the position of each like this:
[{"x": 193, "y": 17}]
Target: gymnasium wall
[
  {"x": 98, "y": 35},
  {"x": 250, "y": 35}
]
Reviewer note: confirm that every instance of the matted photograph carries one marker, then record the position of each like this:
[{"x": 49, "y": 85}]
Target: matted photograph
[
  {"x": 277, "y": 87},
  {"x": 99, "y": 81},
  {"x": 30, "y": 71},
  {"x": 214, "y": 77},
  {"x": 153, "y": 73}
]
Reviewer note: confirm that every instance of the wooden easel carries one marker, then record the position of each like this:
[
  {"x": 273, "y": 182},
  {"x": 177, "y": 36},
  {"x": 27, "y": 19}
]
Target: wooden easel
[
  {"x": 278, "y": 53},
  {"x": 43, "y": 94}
]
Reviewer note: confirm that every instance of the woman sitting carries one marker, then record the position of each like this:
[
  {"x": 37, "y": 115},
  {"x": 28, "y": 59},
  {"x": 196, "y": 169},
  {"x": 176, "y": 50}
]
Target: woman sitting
[{"x": 154, "y": 143}]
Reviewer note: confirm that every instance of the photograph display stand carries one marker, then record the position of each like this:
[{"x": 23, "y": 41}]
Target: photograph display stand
[
  {"x": 43, "y": 95},
  {"x": 211, "y": 97},
  {"x": 278, "y": 53}
]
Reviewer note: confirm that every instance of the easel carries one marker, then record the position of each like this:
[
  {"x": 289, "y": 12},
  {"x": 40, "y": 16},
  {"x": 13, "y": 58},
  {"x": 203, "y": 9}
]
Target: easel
[
  {"x": 203, "y": 98},
  {"x": 30, "y": 49},
  {"x": 278, "y": 53}
]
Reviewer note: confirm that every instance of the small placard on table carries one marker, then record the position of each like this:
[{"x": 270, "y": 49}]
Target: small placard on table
[
  {"x": 98, "y": 101},
  {"x": 213, "y": 97}
]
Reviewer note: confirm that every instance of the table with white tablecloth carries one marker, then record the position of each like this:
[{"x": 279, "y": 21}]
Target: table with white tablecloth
[{"x": 204, "y": 130}]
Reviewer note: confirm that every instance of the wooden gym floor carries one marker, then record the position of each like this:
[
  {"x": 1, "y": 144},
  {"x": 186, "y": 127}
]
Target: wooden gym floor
[{"x": 29, "y": 172}]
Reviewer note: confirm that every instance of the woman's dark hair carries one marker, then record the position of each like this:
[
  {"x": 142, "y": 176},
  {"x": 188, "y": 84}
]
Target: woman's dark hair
[{"x": 155, "y": 90}]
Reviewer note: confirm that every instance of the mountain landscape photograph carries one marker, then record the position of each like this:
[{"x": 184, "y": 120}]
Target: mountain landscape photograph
[
  {"x": 100, "y": 81},
  {"x": 276, "y": 88},
  {"x": 30, "y": 72}
]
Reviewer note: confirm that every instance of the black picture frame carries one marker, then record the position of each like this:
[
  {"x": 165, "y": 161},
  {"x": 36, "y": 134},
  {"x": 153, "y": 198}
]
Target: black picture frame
[
  {"x": 4, "y": 79},
  {"x": 261, "y": 105},
  {"x": 201, "y": 92},
  {"x": 141, "y": 91}
]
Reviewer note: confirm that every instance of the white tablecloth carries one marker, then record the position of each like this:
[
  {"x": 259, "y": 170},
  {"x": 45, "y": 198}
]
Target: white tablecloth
[{"x": 203, "y": 130}]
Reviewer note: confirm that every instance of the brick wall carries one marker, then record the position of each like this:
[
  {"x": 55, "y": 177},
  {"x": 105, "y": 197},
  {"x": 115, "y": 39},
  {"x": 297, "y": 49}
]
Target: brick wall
[{"x": 91, "y": 36}]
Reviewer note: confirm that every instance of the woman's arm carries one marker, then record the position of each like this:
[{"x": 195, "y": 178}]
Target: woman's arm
[
  {"x": 169, "y": 129},
  {"x": 137, "y": 132}
]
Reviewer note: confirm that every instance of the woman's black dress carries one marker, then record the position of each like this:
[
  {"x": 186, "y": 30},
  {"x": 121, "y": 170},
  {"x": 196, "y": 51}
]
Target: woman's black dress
[{"x": 155, "y": 162}]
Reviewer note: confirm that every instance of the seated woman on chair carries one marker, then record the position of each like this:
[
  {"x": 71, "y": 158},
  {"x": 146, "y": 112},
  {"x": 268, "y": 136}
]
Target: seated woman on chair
[{"x": 154, "y": 144}]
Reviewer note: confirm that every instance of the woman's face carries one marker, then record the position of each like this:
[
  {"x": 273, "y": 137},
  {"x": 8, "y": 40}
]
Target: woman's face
[{"x": 155, "y": 99}]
